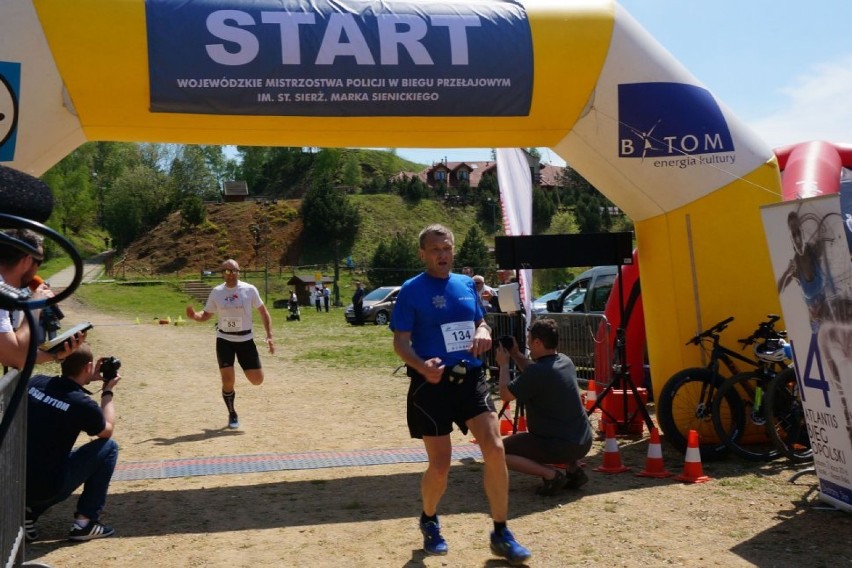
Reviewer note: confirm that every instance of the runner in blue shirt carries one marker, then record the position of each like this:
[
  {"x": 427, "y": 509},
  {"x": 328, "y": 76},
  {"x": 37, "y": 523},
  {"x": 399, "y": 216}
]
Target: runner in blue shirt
[{"x": 440, "y": 332}]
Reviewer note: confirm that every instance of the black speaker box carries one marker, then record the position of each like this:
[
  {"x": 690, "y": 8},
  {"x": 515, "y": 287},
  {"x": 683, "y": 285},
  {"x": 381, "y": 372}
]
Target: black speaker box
[{"x": 560, "y": 251}]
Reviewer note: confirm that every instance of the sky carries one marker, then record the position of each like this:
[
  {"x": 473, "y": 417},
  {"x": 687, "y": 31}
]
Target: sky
[{"x": 783, "y": 67}]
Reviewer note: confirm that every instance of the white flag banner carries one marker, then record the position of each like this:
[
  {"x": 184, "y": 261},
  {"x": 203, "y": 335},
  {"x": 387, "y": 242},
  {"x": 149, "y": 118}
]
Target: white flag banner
[{"x": 515, "y": 179}]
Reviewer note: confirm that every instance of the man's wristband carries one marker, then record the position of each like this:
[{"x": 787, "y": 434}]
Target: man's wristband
[{"x": 104, "y": 393}]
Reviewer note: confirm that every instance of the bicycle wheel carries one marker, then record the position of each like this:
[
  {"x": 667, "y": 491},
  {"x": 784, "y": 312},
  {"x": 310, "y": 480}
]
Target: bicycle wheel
[
  {"x": 745, "y": 431},
  {"x": 785, "y": 417},
  {"x": 686, "y": 403}
]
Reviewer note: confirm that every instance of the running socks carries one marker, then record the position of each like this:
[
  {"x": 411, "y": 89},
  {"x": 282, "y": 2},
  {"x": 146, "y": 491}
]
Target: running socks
[{"x": 229, "y": 400}]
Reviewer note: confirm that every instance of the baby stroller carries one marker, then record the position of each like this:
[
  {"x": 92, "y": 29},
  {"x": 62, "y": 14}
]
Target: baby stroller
[{"x": 293, "y": 306}]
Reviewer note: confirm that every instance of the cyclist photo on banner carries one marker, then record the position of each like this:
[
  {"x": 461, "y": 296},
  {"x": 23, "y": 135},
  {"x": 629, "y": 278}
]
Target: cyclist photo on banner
[{"x": 810, "y": 258}]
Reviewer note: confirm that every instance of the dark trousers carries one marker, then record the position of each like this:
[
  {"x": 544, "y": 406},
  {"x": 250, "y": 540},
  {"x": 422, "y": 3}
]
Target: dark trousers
[{"x": 91, "y": 466}]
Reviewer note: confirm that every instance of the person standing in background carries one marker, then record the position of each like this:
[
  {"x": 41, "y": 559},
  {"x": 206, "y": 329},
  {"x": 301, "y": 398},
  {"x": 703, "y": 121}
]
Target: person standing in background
[{"x": 358, "y": 303}]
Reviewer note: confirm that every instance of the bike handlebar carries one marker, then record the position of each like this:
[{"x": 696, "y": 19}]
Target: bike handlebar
[
  {"x": 765, "y": 330},
  {"x": 711, "y": 332}
]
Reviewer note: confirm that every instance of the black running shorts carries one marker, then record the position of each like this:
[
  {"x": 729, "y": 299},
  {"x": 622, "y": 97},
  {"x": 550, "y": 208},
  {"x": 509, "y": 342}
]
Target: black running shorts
[
  {"x": 433, "y": 408},
  {"x": 245, "y": 352}
]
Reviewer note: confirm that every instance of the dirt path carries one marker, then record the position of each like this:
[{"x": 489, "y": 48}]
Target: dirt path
[{"x": 169, "y": 407}]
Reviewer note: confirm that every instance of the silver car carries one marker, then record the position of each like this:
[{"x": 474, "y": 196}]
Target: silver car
[{"x": 378, "y": 306}]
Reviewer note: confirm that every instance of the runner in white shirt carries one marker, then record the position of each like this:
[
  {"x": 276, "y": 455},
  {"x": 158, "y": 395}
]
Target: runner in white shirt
[{"x": 233, "y": 302}]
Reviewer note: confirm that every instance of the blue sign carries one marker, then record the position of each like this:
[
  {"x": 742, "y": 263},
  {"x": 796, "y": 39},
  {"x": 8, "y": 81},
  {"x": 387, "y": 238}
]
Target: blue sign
[
  {"x": 669, "y": 120},
  {"x": 339, "y": 58},
  {"x": 10, "y": 86}
]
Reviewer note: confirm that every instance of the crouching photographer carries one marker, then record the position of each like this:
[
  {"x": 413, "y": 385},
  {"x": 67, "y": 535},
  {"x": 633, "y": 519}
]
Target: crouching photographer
[{"x": 59, "y": 409}]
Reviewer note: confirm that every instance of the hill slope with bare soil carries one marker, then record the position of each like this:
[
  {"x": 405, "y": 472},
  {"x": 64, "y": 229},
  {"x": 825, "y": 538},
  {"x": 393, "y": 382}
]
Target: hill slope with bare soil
[{"x": 173, "y": 247}]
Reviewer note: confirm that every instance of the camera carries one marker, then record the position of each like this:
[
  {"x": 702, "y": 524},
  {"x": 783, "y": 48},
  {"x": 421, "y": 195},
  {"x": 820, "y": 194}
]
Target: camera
[
  {"x": 506, "y": 342},
  {"x": 110, "y": 367}
]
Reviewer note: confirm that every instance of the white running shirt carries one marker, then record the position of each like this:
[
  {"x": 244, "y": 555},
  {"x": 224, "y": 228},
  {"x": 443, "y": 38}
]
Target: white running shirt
[{"x": 234, "y": 308}]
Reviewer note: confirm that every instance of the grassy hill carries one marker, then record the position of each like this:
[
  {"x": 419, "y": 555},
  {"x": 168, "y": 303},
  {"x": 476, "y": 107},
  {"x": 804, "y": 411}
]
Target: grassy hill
[
  {"x": 175, "y": 250},
  {"x": 385, "y": 215}
]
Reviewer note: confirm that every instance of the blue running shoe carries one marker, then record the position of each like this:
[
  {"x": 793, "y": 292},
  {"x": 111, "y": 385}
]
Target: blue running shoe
[
  {"x": 503, "y": 544},
  {"x": 433, "y": 543}
]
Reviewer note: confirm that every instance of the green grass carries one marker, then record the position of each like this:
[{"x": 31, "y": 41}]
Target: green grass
[
  {"x": 150, "y": 301},
  {"x": 323, "y": 337}
]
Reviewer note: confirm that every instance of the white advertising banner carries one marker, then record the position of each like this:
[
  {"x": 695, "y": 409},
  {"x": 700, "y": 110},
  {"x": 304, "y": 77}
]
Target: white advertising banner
[
  {"x": 515, "y": 180},
  {"x": 810, "y": 256}
]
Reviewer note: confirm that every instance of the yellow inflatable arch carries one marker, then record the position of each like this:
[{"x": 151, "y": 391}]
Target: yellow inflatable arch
[{"x": 580, "y": 77}]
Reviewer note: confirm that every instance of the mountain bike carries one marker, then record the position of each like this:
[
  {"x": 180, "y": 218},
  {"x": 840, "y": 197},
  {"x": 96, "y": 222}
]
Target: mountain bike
[
  {"x": 786, "y": 417},
  {"x": 686, "y": 400},
  {"x": 746, "y": 433}
]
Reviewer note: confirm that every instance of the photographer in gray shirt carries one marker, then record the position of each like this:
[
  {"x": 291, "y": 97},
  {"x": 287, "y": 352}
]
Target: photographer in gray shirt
[{"x": 559, "y": 429}]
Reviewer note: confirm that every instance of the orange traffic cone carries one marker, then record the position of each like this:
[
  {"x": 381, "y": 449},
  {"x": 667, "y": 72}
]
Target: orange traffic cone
[
  {"x": 611, "y": 458},
  {"x": 654, "y": 466},
  {"x": 591, "y": 394},
  {"x": 692, "y": 471}
]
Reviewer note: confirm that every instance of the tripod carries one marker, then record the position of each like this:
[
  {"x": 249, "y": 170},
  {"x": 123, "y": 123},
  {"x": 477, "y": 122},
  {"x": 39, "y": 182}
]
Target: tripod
[
  {"x": 621, "y": 376},
  {"x": 518, "y": 419}
]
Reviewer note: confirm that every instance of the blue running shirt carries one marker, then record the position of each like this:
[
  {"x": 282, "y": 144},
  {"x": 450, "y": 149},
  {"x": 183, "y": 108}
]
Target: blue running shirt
[{"x": 441, "y": 314}]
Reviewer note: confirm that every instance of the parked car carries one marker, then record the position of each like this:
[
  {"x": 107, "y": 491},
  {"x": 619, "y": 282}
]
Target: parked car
[
  {"x": 378, "y": 306},
  {"x": 578, "y": 311},
  {"x": 539, "y": 305},
  {"x": 588, "y": 293}
]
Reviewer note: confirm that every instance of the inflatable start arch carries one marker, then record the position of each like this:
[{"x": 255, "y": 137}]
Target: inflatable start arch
[{"x": 580, "y": 77}]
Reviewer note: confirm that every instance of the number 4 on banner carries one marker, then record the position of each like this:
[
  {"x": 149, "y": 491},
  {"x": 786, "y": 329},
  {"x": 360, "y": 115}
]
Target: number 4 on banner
[{"x": 819, "y": 382}]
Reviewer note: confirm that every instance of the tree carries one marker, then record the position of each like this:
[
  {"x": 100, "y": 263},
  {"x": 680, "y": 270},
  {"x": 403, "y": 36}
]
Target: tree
[
  {"x": 588, "y": 213},
  {"x": 192, "y": 211},
  {"x": 543, "y": 209},
  {"x": 74, "y": 200},
  {"x": 137, "y": 202},
  {"x": 109, "y": 162},
  {"x": 473, "y": 251},
  {"x": 331, "y": 223},
  {"x": 190, "y": 174},
  {"x": 351, "y": 175},
  {"x": 394, "y": 261},
  {"x": 464, "y": 190},
  {"x": 563, "y": 223},
  {"x": 412, "y": 188}
]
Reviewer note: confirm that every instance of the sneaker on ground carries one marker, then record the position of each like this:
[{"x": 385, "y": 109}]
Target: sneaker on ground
[
  {"x": 577, "y": 479},
  {"x": 504, "y": 545},
  {"x": 433, "y": 543},
  {"x": 90, "y": 532},
  {"x": 553, "y": 486},
  {"x": 30, "y": 529},
  {"x": 233, "y": 421}
]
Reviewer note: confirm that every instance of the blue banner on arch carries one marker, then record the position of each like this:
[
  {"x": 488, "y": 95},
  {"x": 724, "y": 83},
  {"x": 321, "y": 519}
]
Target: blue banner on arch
[{"x": 339, "y": 58}]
